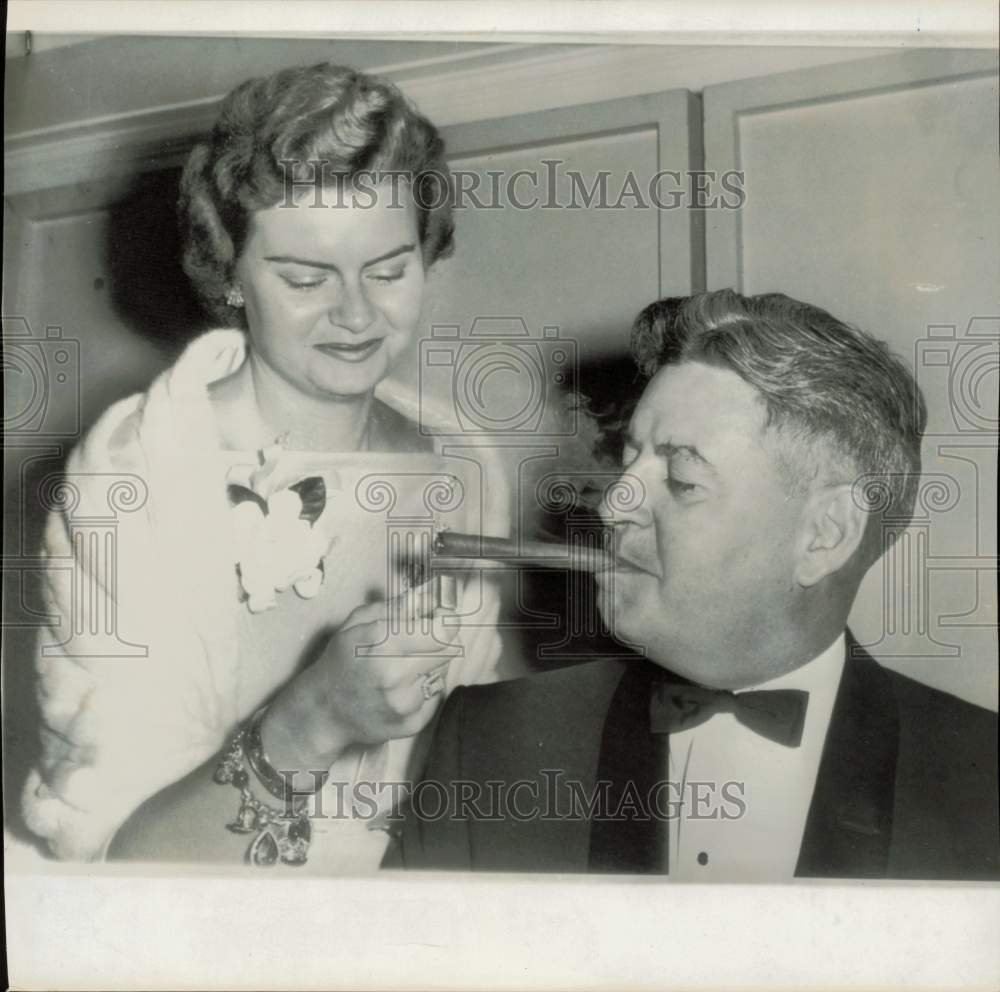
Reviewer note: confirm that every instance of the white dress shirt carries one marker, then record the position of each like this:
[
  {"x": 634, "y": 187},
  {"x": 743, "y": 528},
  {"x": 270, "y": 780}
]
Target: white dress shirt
[{"x": 716, "y": 837}]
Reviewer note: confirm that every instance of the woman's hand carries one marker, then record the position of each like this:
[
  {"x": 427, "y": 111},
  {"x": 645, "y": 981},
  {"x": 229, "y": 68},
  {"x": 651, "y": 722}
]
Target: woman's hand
[{"x": 366, "y": 687}]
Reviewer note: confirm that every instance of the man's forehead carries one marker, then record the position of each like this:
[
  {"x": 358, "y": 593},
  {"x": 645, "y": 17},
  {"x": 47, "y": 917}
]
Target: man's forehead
[{"x": 694, "y": 404}]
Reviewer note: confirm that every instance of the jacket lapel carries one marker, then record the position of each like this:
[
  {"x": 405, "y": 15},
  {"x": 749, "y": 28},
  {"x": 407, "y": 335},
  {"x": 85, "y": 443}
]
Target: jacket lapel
[
  {"x": 849, "y": 826},
  {"x": 631, "y": 761}
]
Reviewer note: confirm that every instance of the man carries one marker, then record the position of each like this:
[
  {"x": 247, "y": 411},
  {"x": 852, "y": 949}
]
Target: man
[{"x": 769, "y": 448}]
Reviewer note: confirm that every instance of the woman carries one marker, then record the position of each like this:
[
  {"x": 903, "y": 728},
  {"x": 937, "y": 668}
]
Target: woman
[{"x": 312, "y": 214}]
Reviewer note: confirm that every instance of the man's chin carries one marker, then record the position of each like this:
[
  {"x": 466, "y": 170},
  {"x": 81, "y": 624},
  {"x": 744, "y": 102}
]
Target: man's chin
[{"x": 618, "y": 616}]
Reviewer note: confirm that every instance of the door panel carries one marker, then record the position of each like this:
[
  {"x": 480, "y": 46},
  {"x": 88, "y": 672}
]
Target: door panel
[{"x": 586, "y": 269}]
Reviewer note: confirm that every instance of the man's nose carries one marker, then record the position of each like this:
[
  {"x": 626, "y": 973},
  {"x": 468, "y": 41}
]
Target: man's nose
[
  {"x": 352, "y": 309},
  {"x": 625, "y": 502}
]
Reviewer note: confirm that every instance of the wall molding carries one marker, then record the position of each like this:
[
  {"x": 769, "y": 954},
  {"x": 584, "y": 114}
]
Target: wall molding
[{"x": 482, "y": 85}]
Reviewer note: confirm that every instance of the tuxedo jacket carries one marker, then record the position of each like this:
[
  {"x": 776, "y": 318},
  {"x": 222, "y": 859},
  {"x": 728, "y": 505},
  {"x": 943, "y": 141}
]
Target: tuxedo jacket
[{"x": 906, "y": 785}]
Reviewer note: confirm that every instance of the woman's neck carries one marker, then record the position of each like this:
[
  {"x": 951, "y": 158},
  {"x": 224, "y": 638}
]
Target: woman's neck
[{"x": 257, "y": 407}]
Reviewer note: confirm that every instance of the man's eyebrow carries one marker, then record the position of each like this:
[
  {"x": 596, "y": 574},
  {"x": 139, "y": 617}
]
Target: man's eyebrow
[
  {"x": 670, "y": 449},
  {"x": 312, "y": 264}
]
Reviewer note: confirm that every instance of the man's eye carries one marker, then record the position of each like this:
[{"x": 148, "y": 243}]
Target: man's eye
[{"x": 680, "y": 488}]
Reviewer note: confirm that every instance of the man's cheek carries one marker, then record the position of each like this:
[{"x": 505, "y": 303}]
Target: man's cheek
[{"x": 687, "y": 578}]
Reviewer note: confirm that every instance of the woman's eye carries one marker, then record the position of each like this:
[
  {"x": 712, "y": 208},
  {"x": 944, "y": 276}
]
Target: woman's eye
[
  {"x": 394, "y": 276},
  {"x": 303, "y": 284}
]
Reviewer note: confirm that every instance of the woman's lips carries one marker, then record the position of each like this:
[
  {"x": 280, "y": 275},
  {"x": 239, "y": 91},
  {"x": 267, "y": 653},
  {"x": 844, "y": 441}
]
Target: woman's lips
[{"x": 351, "y": 352}]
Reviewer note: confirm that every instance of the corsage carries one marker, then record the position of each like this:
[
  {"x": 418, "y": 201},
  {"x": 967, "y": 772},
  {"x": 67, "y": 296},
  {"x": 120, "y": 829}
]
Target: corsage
[{"x": 278, "y": 545}]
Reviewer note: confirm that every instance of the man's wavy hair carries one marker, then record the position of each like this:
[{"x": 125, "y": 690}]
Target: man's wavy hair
[
  {"x": 612, "y": 415},
  {"x": 842, "y": 407},
  {"x": 327, "y": 123}
]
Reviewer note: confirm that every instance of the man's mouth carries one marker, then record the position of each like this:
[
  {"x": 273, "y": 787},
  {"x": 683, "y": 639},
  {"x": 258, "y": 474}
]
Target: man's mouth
[
  {"x": 351, "y": 352},
  {"x": 620, "y": 565}
]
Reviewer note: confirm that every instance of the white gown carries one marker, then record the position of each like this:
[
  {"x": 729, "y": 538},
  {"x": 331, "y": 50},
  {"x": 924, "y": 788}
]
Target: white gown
[{"x": 156, "y": 657}]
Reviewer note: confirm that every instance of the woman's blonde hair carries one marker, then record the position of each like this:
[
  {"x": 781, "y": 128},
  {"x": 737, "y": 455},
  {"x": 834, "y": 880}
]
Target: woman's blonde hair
[{"x": 306, "y": 125}]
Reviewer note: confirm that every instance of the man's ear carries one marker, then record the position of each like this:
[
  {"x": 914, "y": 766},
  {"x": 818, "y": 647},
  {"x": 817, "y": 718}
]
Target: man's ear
[{"x": 833, "y": 529}]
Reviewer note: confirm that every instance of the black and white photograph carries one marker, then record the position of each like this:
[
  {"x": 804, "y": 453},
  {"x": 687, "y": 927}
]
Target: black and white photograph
[{"x": 526, "y": 457}]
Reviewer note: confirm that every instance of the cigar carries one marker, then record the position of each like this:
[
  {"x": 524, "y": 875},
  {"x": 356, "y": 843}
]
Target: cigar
[{"x": 459, "y": 551}]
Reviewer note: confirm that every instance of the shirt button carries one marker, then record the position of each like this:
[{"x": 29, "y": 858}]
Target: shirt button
[{"x": 703, "y": 858}]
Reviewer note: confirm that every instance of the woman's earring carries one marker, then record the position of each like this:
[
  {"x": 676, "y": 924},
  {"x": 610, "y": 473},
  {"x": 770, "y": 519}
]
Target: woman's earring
[{"x": 234, "y": 298}]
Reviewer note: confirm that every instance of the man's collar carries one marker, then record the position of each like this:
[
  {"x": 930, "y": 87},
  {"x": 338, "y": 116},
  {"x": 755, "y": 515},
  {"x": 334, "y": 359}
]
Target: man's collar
[
  {"x": 849, "y": 826},
  {"x": 821, "y": 672}
]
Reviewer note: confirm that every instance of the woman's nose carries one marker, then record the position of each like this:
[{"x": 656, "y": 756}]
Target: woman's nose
[
  {"x": 625, "y": 501},
  {"x": 352, "y": 310}
]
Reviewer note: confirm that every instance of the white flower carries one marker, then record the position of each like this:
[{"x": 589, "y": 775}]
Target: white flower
[{"x": 276, "y": 547}]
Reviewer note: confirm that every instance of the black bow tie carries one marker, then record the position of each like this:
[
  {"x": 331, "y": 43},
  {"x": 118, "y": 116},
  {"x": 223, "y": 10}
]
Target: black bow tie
[{"x": 777, "y": 714}]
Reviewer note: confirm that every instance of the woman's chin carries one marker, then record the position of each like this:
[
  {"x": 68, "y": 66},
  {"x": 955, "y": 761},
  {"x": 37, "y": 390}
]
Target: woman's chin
[{"x": 351, "y": 385}]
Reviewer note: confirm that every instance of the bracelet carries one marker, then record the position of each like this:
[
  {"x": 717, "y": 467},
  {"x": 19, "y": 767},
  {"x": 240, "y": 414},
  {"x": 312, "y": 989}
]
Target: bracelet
[
  {"x": 282, "y": 835},
  {"x": 278, "y": 784},
  {"x": 253, "y": 748}
]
